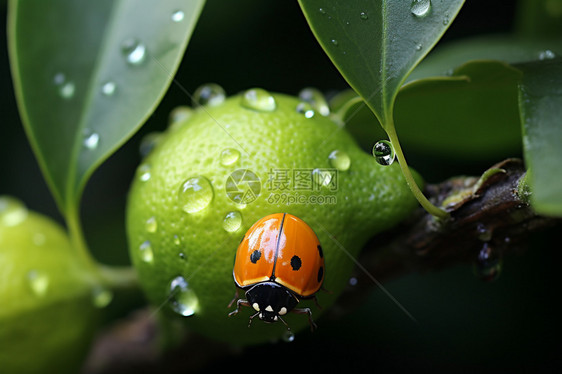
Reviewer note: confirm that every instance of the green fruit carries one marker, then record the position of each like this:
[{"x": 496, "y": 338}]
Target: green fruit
[
  {"x": 47, "y": 316},
  {"x": 212, "y": 176}
]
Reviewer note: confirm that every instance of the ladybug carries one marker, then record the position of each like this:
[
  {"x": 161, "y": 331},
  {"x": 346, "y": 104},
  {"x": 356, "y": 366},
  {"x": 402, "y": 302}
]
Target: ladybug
[{"x": 278, "y": 262}]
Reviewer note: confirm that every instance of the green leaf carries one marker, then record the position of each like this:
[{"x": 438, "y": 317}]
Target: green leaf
[
  {"x": 470, "y": 115},
  {"x": 539, "y": 18},
  {"x": 376, "y": 44},
  {"x": 540, "y": 101},
  {"x": 444, "y": 59},
  {"x": 87, "y": 74}
]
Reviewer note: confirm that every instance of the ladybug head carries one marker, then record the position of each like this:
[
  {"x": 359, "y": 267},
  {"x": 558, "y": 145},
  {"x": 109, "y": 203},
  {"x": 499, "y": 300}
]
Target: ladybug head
[{"x": 271, "y": 301}]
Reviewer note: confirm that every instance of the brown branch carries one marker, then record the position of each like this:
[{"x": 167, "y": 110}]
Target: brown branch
[{"x": 489, "y": 213}]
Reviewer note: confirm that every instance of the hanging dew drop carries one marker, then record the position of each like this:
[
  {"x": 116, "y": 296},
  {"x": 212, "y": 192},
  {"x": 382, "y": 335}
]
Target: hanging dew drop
[
  {"x": 364, "y": 16},
  {"x": 232, "y": 221},
  {"x": 195, "y": 194},
  {"x": 259, "y": 100},
  {"x": 182, "y": 299},
  {"x": 12, "y": 211},
  {"x": 210, "y": 94},
  {"x": 420, "y": 8},
  {"x": 384, "y": 152},
  {"x": 38, "y": 282},
  {"x": 229, "y": 156},
  {"x": 288, "y": 336},
  {"x": 305, "y": 109},
  {"x": 488, "y": 264},
  {"x": 178, "y": 16},
  {"x": 316, "y": 99},
  {"x": 147, "y": 255},
  {"x": 134, "y": 51},
  {"x": 340, "y": 160}
]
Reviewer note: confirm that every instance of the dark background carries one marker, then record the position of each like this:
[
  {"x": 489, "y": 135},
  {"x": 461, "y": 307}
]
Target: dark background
[{"x": 463, "y": 324}]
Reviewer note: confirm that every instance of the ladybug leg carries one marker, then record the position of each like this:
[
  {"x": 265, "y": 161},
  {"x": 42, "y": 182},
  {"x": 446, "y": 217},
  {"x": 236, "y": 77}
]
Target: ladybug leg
[
  {"x": 233, "y": 299},
  {"x": 252, "y": 317},
  {"x": 316, "y": 302},
  {"x": 306, "y": 311},
  {"x": 240, "y": 302}
]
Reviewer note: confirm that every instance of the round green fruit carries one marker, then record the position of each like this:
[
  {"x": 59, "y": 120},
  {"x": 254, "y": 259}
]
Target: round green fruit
[
  {"x": 214, "y": 174},
  {"x": 47, "y": 316}
]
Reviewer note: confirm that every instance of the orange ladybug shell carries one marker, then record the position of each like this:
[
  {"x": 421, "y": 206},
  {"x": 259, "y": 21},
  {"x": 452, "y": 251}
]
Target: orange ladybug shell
[{"x": 284, "y": 249}]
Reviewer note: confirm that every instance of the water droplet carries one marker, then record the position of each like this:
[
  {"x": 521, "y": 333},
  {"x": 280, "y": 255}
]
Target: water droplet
[
  {"x": 39, "y": 239},
  {"x": 146, "y": 252},
  {"x": 316, "y": 99},
  {"x": 91, "y": 139},
  {"x": 322, "y": 11},
  {"x": 149, "y": 142},
  {"x": 108, "y": 88},
  {"x": 65, "y": 88},
  {"x": 232, "y": 221},
  {"x": 335, "y": 42},
  {"x": 546, "y": 55},
  {"x": 259, "y": 100},
  {"x": 288, "y": 336},
  {"x": 488, "y": 264},
  {"x": 353, "y": 281},
  {"x": 418, "y": 47},
  {"x": 420, "y": 8},
  {"x": 178, "y": 16},
  {"x": 322, "y": 177},
  {"x": 384, "y": 152},
  {"x": 134, "y": 51},
  {"x": 229, "y": 156},
  {"x": 183, "y": 299},
  {"x": 363, "y": 16},
  {"x": 101, "y": 296},
  {"x": 446, "y": 20},
  {"x": 143, "y": 172},
  {"x": 306, "y": 109},
  {"x": 484, "y": 233},
  {"x": 151, "y": 225},
  {"x": 195, "y": 194},
  {"x": 339, "y": 160},
  {"x": 38, "y": 282},
  {"x": 210, "y": 94},
  {"x": 177, "y": 240},
  {"x": 12, "y": 211},
  {"x": 180, "y": 114}
]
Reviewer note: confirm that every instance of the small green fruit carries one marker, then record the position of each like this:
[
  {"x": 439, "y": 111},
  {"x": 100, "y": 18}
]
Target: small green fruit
[
  {"x": 47, "y": 316},
  {"x": 212, "y": 176}
]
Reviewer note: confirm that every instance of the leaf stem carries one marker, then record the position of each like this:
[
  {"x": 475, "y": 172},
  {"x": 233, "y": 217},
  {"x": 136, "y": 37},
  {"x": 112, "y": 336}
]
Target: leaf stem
[
  {"x": 424, "y": 202},
  {"x": 110, "y": 276}
]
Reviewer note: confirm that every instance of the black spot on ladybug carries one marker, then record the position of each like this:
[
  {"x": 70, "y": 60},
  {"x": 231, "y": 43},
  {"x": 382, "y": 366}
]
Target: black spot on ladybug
[
  {"x": 320, "y": 252},
  {"x": 296, "y": 262},
  {"x": 255, "y": 256},
  {"x": 320, "y": 273}
]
